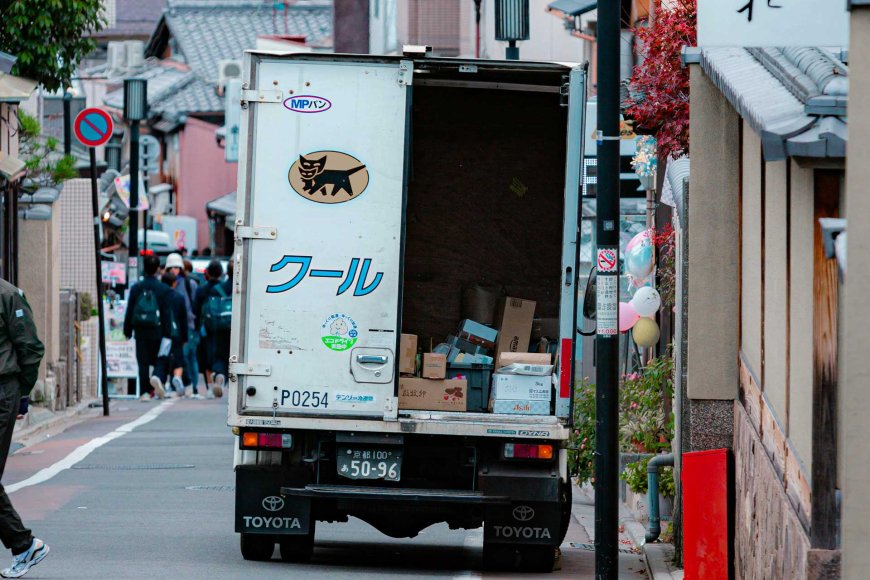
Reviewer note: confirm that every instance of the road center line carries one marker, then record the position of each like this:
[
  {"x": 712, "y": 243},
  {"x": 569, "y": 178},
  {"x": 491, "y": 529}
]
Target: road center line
[{"x": 83, "y": 451}]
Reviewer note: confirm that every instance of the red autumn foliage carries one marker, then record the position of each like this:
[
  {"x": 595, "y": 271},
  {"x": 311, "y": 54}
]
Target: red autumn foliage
[{"x": 661, "y": 83}]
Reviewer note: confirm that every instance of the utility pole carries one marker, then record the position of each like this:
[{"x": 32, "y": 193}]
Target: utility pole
[
  {"x": 607, "y": 338},
  {"x": 135, "y": 111}
]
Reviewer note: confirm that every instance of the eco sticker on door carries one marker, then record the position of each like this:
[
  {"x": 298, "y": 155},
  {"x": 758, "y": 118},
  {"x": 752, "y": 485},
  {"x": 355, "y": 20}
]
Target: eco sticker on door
[
  {"x": 339, "y": 332},
  {"x": 328, "y": 177}
]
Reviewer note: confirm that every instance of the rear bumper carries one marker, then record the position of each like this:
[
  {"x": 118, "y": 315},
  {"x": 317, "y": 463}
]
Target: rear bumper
[
  {"x": 393, "y": 494},
  {"x": 423, "y": 423}
]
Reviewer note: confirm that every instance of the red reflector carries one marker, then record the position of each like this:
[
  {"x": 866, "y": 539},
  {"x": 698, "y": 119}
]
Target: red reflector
[
  {"x": 270, "y": 440},
  {"x": 524, "y": 451}
]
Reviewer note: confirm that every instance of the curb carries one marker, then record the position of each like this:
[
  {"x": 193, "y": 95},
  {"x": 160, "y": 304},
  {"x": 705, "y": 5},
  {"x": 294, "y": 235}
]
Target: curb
[{"x": 49, "y": 420}]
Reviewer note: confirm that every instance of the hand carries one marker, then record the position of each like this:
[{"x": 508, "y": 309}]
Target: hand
[{"x": 23, "y": 407}]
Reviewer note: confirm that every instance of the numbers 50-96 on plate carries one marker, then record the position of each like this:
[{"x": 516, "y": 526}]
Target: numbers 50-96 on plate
[{"x": 369, "y": 463}]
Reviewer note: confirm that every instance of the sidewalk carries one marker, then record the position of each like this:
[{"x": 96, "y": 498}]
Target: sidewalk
[
  {"x": 657, "y": 558},
  {"x": 40, "y": 420}
]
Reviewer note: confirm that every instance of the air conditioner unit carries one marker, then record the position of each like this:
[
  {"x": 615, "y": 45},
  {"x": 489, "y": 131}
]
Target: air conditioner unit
[
  {"x": 135, "y": 54},
  {"x": 228, "y": 69},
  {"x": 116, "y": 58}
]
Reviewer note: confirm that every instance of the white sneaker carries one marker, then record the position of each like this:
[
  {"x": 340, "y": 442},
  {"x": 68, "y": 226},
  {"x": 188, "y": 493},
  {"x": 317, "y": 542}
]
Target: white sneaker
[
  {"x": 177, "y": 386},
  {"x": 196, "y": 396},
  {"x": 145, "y": 398},
  {"x": 27, "y": 560},
  {"x": 219, "y": 382},
  {"x": 209, "y": 394},
  {"x": 188, "y": 392},
  {"x": 158, "y": 387}
]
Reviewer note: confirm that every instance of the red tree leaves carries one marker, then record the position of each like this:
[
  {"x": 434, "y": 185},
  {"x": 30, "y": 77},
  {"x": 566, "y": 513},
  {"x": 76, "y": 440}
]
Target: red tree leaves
[{"x": 661, "y": 83}]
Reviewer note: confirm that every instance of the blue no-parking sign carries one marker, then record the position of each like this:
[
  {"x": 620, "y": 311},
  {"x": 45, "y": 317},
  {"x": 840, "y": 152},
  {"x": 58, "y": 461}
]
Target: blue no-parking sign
[{"x": 93, "y": 127}]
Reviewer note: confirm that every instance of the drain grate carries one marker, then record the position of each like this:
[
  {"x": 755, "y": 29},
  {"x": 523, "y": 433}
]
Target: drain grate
[
  {"x": 211, "y": 487},
  {"x": 131, "y": 467},
  {"x": 591, "y": 548}
]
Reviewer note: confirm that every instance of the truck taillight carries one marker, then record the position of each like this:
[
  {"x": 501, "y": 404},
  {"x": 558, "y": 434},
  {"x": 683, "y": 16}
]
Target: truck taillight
[
  {"x": 527, "y": 451},
  {"x": 253, "y": 440}
]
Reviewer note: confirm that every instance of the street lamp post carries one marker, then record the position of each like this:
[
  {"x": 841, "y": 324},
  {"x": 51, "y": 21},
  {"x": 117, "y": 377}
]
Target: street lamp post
[
  {"x": 135, "y": 110},
  {"x": 511, "y": 25}
]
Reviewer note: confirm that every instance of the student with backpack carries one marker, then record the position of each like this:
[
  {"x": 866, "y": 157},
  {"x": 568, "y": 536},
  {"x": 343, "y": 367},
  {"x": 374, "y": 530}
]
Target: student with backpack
[
  {"x": 147, "y": 321},
  {"x": 173, "y": 363},
  {"x": 213, "y": 309},
  {"x": 186, "y": 288}
]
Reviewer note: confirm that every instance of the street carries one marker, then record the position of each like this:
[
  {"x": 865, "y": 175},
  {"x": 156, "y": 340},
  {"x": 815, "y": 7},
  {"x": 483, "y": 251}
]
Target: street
[{"x": 157, "y": 499}]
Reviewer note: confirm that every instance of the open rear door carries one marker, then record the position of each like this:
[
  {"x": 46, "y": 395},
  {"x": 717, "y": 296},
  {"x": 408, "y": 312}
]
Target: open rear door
[
  {"x": 570, "y": 345},
  {"x": 320, "y": 224}
]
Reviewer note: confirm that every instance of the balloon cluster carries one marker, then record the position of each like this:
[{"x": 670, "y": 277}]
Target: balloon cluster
[{"x": 637, "y": 314}]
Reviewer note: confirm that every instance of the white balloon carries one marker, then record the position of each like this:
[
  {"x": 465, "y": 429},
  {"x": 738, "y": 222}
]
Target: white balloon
[{"x": 646, "y": 301}]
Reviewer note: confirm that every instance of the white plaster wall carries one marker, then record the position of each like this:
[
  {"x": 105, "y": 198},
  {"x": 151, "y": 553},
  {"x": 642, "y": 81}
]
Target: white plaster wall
[
  {"x": 750, "y": 294},
  {"x": 775, "y": 289}
]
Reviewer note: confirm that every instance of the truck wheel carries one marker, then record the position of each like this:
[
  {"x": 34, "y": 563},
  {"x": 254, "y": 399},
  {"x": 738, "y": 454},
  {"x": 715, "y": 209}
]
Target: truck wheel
[
  {"x": 258, "y": 547},
  {"x": 297, "y": 548},
  {"x": 566, "y": 500},
  {"x": 537, "y": 558},
  {"x": 499, "y": 557}
]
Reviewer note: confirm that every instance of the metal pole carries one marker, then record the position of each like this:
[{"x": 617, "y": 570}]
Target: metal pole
[
  {"x": 134, "y": 205},
  {"x": 104, "y": 380},
  {"x": 607, "y": 339},
  {"x": 512, "y": 51},
  {"x": 67, "y": 123}
]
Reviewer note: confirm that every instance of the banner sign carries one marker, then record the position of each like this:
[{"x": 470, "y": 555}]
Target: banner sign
[
  {"x": 120, "y": 352},
  {"x": 780, "y": 23}
]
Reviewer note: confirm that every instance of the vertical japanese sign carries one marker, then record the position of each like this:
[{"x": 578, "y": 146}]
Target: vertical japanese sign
[
  {"x": 773, "y": 23},
  {"x": 607, "y": 292}
]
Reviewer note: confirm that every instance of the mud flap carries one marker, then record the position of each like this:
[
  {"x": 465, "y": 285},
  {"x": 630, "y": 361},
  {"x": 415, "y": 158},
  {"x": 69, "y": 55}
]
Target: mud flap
[
  {"x": 260, "y": 507},
  {"x": 534, "y": 515}
]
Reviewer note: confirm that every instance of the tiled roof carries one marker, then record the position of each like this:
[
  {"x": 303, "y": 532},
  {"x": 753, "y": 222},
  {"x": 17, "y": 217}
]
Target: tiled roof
[
  {"x": 196, "y": 96},
  {"x": 208, "y": 31},
  {"x": 164, "y": 80},
  {"x": 795, "y": 99},
  {"x": 133, "y": 19}
]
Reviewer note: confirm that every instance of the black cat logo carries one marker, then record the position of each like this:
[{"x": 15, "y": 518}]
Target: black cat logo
[{"x": 328, "y": 176}]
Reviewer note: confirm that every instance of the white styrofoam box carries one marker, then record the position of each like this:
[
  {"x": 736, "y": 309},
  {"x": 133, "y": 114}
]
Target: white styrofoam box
[{"x": 521, "y": 387}]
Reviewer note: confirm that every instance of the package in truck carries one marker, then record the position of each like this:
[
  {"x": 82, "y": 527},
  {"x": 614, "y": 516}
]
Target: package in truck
[
  {"x": 515, "y": 317},
  {"x": 434, "y": 365},
  {"x": 432, "y": 395},
  {"x": 521, "y": 387},
  {"x": 408, "y": 354},
  {"x": 526, "y": 369},
  {"x": 518, "y": 407}
]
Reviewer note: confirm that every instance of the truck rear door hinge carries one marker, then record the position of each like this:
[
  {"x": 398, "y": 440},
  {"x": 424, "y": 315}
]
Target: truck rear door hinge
[
  {"x": 261, "y": 96},
  {"x": 256, "y": 232},
  {"x": 406, "y": 73},
  {"x": 251, "y": 369},
  {"x": 563, "y": 94}
]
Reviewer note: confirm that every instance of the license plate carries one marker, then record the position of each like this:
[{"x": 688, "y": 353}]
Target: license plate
[{"x": 370, "y": 463}]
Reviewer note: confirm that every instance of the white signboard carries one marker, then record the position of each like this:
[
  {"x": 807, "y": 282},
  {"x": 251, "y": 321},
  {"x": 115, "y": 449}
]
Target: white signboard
[
  {"x": 120, "y": 352},
  {"x": 773, "y": 23}
]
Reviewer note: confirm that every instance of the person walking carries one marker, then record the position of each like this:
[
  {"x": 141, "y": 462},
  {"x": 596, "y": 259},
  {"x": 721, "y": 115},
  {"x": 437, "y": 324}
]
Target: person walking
[
  {"x": 143, "y": 319},
  {"x": 213, "y": 310},
  {"x": 21, "y": 351},
  {"x": 186, "y": 287},
  {"x": 173, "y": 363}
]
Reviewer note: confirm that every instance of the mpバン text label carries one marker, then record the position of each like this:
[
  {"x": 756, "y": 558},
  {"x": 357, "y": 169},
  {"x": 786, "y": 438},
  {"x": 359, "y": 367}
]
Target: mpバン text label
[{"x": 308, "y": 104}]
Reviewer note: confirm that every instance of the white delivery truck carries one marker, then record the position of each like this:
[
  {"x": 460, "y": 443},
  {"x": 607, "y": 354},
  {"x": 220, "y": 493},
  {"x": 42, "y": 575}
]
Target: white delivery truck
[{"x": 372, "y": 190}]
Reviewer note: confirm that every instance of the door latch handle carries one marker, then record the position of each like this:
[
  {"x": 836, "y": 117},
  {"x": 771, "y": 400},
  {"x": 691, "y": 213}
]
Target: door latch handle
[{"x": 371, "y": 359}]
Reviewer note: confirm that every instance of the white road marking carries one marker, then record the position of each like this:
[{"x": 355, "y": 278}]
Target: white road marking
[
  {"x": 474, "y": 539},
  {"x": 83, "y": 451}
]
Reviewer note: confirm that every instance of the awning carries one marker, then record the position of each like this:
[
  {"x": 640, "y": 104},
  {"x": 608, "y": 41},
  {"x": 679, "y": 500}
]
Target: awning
[
  {"x": 15, "y": 89},
  {"x": 11, "y": 168},
  {"x": 572, "y": 7},
  {"x": 223, "y": 205}
]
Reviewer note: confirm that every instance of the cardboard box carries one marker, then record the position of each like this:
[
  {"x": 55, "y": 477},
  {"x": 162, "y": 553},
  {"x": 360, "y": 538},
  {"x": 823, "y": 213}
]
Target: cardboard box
[
  {"x": 523, "y": 369},
  {"x": 434, "y": 365},
  {"x": 515, "y": 317},
  {"x": 511, "y": 407},
  {"x": 408, "y": 354},
  {"x": 522, "y": 387},
  {"x": 526, "y": 358},
  {"x": 432, "y": 395},
  {"x": 477, "y": 333}
]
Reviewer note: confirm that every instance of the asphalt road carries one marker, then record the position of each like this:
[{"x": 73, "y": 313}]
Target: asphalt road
[{"x": 157, "y": 501}]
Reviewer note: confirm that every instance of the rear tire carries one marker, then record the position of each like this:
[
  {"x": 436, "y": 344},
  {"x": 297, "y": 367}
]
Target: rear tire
[
  {"x": 257, "y": 547},
  {"x": 507, "y": 557},
  {"x": 566, "y": 500},
  {"x": 298, "y": 549}
]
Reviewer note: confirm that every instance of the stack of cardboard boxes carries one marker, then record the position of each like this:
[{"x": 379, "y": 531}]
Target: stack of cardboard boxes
[{"x": 457, "y": 374}]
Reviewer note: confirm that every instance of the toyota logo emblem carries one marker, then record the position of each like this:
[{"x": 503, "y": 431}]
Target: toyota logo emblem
[
  {"x": 523, "y": 513},
  {"x": 273, "y": 503}
]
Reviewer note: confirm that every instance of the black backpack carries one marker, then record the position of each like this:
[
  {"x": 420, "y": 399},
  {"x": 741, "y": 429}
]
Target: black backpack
[
  {"x": 218, "y": 311},
  {"x": 147, "y": 309}
]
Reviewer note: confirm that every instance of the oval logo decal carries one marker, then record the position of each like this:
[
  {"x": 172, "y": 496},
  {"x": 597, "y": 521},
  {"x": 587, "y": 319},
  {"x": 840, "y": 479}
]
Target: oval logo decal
[
  {"x": 308, "y": 104},
  {"x": 328, "y": 176}
]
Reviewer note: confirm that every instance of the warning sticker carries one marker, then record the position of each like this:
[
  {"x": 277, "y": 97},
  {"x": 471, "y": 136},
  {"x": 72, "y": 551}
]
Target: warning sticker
[
  {"x": 607, "y": 311},
  {"x": 607, "y": 260}
]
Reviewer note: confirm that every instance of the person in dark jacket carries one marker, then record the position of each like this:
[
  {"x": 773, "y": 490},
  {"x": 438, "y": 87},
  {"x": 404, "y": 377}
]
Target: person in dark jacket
[
  {"x": 147, "y": 320},
  {"x": 174, "y": 361},
  {"x": 215, "y": 344},
  {"x": 21, "y": 351}
]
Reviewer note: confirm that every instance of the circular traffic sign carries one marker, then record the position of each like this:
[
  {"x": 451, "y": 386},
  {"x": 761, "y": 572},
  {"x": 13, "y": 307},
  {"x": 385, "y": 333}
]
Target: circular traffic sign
[{"x": 93, "y": 127}]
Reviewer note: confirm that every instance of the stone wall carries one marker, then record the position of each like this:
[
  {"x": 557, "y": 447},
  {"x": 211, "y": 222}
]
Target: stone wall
[{"x": 769, "y": 540}]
